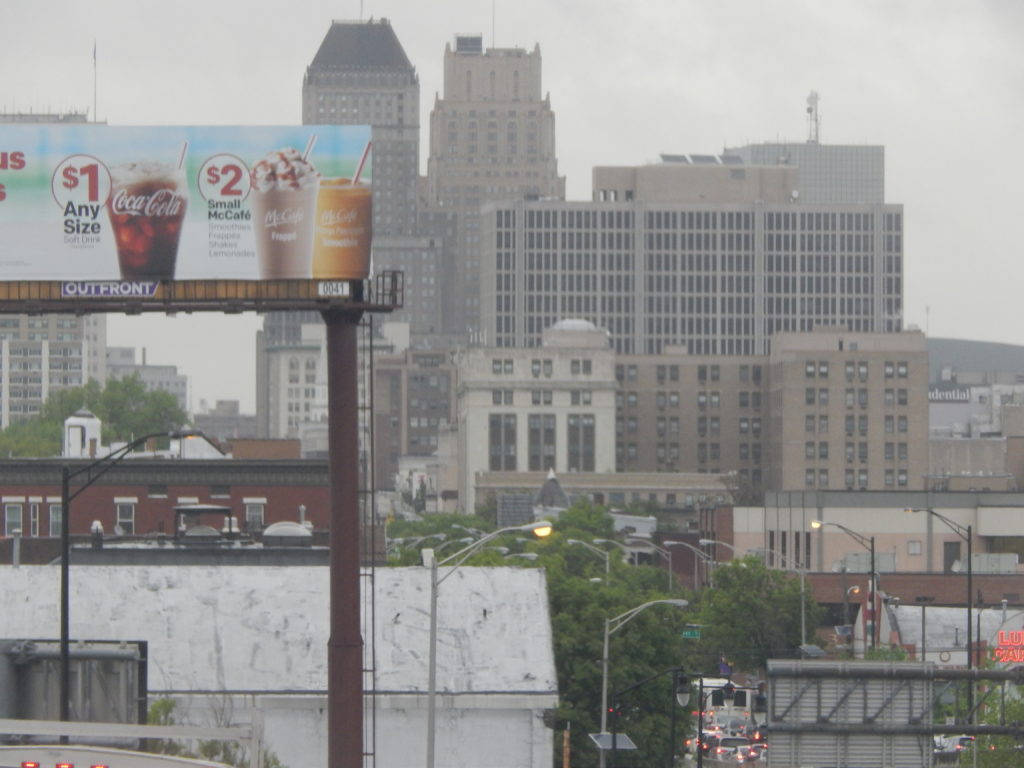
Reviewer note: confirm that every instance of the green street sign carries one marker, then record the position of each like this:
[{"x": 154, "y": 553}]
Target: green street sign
[{"x": 691, "y": 634}]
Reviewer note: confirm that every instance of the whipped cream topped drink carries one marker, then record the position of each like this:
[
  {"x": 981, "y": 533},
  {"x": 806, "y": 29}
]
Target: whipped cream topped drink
[
  {"x": 284, "y": 189},
  {"x": 147, "y": 206}
]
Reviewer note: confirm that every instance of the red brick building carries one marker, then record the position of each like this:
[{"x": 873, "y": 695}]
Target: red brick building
[{"x": 138, "y": 496}]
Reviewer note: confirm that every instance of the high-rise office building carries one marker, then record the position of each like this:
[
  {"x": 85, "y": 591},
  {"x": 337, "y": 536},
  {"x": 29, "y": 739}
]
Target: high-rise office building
[
  {"x": 492, "y": 137},
  {"x": 360, "y": 75},
  {"x": 715, "y": 278},
  {"x": 827, "y": 173}
]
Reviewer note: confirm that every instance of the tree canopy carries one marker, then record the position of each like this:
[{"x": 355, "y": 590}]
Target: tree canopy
[
  {"x": 124, "y": 406},
  {"x": 752, "y": 613}
]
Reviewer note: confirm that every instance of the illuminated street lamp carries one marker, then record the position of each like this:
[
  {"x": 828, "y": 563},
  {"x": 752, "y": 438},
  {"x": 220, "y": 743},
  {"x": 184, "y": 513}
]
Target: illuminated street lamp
[
  {"x": 539, "y": 529},
  {"x": 869, "y": 544},
  {"x": 92, "y": 472}
]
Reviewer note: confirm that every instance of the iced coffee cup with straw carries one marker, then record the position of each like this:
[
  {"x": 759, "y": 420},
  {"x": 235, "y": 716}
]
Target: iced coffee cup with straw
[
  {"x": 283, "y": 200},
  {"x": 147, "y": 208},
  {"x": 344, "y": 227}
]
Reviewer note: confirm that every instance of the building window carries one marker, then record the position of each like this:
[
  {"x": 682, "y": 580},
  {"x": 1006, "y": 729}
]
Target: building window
[
  {"x": 12, "y": 519},
  {"x": 822, "y": 450},
  {"x": 914, "y": 547},
  {"x": 56, "y": 519},
  {"x": 809, "y": 450},
  {"x": 901, "y": 369},
  {"x": 809, "y": 369},
  {"x": 822, "y": 483},
  {"x": 809, "y": 396},
  {"x": 541, "y": 439},
  {"x": 495, "y": 397},
  {"x": 823, "y": 369},
  {"x": 890, "y": 478},
  {"x": 901, "y": 397},
  {"x": 901, "y": 424},
  {"x": 809, "y": 423},
  {"x": 254, "y": 510},
  {"x": 33, "y": 519},
  {"x": 809, "y": 478},
  {"x": 823, "y": 424},
  {"x": 822, "y": 397},
  {"x": 502, "y": 441},
  {"x": 124, "y": 518},
  {"x": 581, "y": 442}
]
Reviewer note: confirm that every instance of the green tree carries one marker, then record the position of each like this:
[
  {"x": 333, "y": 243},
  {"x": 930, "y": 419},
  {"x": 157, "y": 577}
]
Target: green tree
[
  {"x": 125, "y": 408},
  {"x": 752, "y": 614}
]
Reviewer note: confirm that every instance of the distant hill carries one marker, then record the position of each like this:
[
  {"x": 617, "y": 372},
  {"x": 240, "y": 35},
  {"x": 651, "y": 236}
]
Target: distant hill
[{"x": 964, "y": 355}]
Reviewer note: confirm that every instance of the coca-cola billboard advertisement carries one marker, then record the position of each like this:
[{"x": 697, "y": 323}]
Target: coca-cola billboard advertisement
[{"x": 134, "y": 206}]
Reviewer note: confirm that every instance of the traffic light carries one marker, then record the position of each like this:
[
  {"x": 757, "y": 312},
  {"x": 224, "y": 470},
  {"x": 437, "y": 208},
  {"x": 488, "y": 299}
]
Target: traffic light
[{"x": 729, "y": 691}]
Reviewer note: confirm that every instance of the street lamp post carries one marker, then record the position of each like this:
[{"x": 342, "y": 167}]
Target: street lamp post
[
  {"x": 596, "y": 550},
  {"x": 611, "y": 626},
  {"x": 92, "y": 472},
  {"x": 965, "y": 533},
  {"x": 666, "y": 553},
  {"x": 703, "y": 556},
  {"x": 868, "y": 542},
  {"x": 540, "y": 529}
]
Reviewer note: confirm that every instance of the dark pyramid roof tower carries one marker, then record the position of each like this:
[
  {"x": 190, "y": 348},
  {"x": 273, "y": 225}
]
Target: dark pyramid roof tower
[{"x": 360, "y": 45}]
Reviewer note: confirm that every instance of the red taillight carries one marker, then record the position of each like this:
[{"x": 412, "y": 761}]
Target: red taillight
[
  {"x": 99, "y": 765},
  {"x": 29, "y": 764},
  {"x": 64, "y": 765}
]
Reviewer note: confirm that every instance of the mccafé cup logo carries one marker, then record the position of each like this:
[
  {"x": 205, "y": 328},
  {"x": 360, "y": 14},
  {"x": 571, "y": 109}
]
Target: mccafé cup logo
[
  {"x": 333, "y": 217},
  {"x": 276, "y": 217}
]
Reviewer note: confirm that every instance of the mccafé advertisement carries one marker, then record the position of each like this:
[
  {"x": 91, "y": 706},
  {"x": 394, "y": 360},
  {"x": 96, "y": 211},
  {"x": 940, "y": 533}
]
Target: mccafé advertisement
[{"x": 128, "y": 206}]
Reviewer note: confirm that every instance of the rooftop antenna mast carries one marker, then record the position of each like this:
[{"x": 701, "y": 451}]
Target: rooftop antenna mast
[{"x": 813, "y": 118}]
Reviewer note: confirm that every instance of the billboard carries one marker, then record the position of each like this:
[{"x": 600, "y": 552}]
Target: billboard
[{"x": 123, "y": 208}]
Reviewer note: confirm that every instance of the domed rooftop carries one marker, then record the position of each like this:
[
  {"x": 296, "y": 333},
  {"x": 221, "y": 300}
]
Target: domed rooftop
[{"x": 574, "y": 324}]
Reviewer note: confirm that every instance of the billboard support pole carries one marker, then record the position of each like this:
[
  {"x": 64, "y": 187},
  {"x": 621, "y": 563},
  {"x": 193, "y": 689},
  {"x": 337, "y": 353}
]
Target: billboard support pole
[{"x": 345, "y": 645}]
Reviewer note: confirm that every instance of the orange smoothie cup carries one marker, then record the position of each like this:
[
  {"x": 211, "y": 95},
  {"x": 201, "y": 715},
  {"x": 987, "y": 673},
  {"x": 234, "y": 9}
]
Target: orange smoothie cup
[{"x": 343, "y": 231}]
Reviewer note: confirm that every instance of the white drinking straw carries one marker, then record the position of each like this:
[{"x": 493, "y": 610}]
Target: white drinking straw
[
  {"x": 362, "y": 162},
  {"x": 181, "y": 157},
  {"x": 309, "y": 147}
]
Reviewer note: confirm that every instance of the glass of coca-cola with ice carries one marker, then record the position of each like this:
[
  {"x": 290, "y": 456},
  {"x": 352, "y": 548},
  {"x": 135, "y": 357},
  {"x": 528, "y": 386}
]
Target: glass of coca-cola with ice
[{"x": 147, "y": 207}]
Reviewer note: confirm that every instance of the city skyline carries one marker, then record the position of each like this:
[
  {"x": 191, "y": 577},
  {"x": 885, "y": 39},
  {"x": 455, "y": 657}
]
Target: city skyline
[{"x": 936, "y": 90}]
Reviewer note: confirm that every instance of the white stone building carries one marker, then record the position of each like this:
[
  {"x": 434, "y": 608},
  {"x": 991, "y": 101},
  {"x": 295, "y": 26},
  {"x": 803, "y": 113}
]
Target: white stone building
[
  {"x": 549, "y": 407},
  {"x": 226, "y": 640}
]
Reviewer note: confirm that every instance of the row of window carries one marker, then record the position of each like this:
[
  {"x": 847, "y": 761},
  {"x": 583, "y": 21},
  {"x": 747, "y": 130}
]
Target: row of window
[
  {"x": 541, "y": 442},
  {"x": 704, "y": 373},
  {"x": 818, "y": 478},
  {"x": 820, "y": 369},
  {"x": 892, "y": 450},
  {"x": 859, "y": 397}
]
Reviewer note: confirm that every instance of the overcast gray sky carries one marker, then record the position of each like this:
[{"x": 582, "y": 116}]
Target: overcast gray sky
[{"x": 939, "y": 83}]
